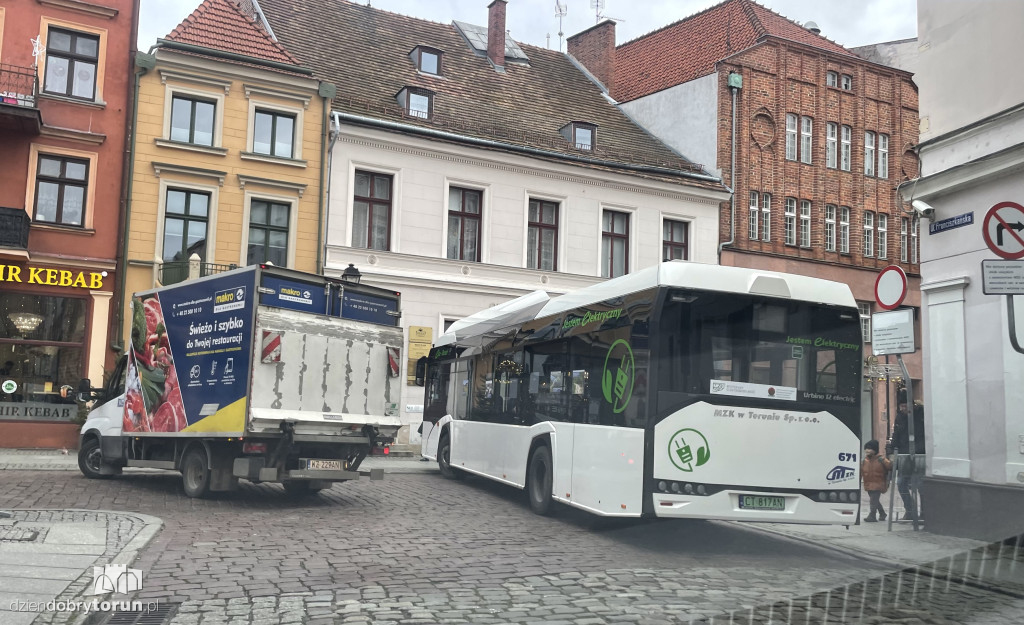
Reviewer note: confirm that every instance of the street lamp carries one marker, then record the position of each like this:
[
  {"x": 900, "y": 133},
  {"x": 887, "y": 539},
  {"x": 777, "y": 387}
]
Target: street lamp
[{"x": 351, "y": 275}]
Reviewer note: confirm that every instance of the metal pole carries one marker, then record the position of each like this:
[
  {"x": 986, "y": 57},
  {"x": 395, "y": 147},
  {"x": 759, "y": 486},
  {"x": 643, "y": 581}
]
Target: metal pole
[
  {"x": 888, "y": 403},
  {"x": 892, "y": 485},
  {"x": 910, "y": 429}
]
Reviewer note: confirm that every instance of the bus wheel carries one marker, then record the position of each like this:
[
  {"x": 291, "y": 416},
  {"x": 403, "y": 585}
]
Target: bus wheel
[
  {"x": 539, "y": 480},
  {"x": 444, "y": 459},
  {"x": 195, "y": 472}
]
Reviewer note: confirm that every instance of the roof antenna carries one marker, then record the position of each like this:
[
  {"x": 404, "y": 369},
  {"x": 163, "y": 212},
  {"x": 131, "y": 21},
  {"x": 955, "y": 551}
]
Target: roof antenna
[
  {"x": 560, "y": 10},
  {"x": 598, "y": 6}
]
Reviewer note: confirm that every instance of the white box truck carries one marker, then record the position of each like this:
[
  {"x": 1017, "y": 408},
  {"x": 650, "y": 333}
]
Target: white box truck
[{"x": 260, "y": 373}]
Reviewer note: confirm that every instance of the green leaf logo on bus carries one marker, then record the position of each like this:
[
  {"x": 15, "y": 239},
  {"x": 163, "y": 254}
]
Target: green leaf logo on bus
[
  {"x": 619, "y": 373},
  {"x": 688, "y": 449}
]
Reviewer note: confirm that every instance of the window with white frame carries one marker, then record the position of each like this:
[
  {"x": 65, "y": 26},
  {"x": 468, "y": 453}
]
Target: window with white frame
[
  {"x": 844, "y": 153},
  {"x": 869, "y": 233},
  {"x": 844, "y": 229},
  {"x": 72, "y": 59},
  {"x": 914, "y": 224},
  {"x": 846, "y": 82},
  {"x": 766, "y": 217},
  {"x": 904, "y": 233},
  {"x": 869, "y": 153},
  {"x": 464, "y": 207},
  {"x": 268, "y": 232},
  {"x": 614, "y": 244},
  {"x": 755, "y": 214},
  {"x": 830, "y": 228},
  {"x": 831, "y": 144},
  {"x": 864, "y": 308},
  {"x": 883, "y": 235},
  {"x": 832, "y": 79},
  {"x": 883, "y": 156},
  {"x": 542, "y": 235},
  {"x": 371, "y": 204},
  {"x": 790, "y": 221},
  {"x": 806, "y": 138},
  {"x": 791, "y": 134},
  {"x": 674, "y": 240},
  {"x": 805, "y": 223}
]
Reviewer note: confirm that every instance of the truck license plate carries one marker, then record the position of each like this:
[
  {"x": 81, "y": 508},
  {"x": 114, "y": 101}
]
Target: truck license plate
[
  {"x": 325, "y": 465},
  {"x": 759, "y": 502}
]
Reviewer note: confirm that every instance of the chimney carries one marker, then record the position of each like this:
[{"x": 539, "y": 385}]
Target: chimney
[
  {"x": 496, "y": 34},
  {"x": 594, "y": 48}
]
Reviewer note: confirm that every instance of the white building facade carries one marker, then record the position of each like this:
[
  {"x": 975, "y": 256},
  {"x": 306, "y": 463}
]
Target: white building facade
[
  {"x": 436, "y": 289},
  {"x": 972, "y": 159}
]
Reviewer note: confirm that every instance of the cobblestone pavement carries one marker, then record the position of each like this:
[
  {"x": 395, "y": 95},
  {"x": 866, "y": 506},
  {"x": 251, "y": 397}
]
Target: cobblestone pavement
[{"x": 416, "y": 548}]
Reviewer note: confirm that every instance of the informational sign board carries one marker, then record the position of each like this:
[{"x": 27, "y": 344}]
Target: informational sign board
[
  {"x": 1003, "y": 230},
  {"x": 1002, "y": 277},
  {"x": 349, "y": 304},
  {"x": 893, "y": 332},
  {"x": 293, "y": 294},
  {"x": 420, "y": 338},
  {"x": 890, "y": 287}
]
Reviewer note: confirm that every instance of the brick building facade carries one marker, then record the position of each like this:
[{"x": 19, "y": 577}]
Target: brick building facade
[{"x": 822, "y": 139}]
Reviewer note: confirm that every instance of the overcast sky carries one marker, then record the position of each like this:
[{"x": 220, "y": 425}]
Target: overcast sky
[{"x": 847, "y": 22}]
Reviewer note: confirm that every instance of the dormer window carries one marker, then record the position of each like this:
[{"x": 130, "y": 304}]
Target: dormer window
[
  {"x": 580, "y": 134},
  {"x": 427, "y": 60},
  {"x": 416, "y": 102}
]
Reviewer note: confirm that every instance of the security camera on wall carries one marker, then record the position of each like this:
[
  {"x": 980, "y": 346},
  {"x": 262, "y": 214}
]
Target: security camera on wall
[{"x": 923, "y": 209}]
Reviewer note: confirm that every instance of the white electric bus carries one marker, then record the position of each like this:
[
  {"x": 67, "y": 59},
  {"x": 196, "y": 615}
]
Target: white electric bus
[{"x": 682, "y": 390}]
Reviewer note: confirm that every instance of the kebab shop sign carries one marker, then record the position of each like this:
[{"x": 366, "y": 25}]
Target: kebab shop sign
[{"x": 52, "y": 277}]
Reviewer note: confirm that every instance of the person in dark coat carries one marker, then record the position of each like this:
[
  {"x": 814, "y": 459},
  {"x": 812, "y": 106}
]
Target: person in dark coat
[
  {"x": 874, "y": 472},
  {"x": 909, "y": 469}
]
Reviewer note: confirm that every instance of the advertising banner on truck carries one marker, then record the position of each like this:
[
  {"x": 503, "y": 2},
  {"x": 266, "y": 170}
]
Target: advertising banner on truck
[
  {"x": 188, "y": 368},
  {"x": 293, "y": 294}
]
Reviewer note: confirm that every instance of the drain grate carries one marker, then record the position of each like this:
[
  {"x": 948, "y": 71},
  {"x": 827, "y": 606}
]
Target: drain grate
[{"x": 159, "y": 615}]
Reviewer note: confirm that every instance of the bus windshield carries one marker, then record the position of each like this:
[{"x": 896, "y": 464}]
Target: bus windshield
[{"x": 761, "y": 349}]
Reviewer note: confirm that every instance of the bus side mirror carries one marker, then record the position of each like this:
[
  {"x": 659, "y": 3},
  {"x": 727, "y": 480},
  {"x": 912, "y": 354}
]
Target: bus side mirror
[
  {"x": 421, "y": 371},
  {"x": 67, "y": 391}
]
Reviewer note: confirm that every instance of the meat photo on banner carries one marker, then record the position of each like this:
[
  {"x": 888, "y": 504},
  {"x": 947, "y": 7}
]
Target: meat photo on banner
[{"x": 152, "y": 398}]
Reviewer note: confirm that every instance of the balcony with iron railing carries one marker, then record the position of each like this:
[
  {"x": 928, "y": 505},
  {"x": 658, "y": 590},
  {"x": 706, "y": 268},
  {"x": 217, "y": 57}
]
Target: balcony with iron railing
[
  {"x": 173, "y": 272},
  {"x": 19, "y": 109},
  {"x": 14, "y": 227}
]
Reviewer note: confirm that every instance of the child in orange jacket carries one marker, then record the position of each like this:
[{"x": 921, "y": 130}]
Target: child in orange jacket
[{"x": 874, "y": 472}]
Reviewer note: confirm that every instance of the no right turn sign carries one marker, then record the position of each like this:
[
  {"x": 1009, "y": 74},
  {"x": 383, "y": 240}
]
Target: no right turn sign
[{"x": 1003, "y": 230}]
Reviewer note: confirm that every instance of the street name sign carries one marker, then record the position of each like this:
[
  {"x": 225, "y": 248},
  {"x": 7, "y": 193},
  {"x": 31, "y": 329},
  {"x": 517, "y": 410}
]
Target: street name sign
[
  {"x": 959, "y": 221},
  {"x": 1002, "y": 277},
  {"x": 1003, "y": 230},
  {"x": 893, "y": 332}
]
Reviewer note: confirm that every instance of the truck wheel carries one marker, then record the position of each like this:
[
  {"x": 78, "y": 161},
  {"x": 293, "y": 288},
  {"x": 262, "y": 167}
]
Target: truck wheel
[
  {"x": 444, "y": 459},
  {"x": 539, "y": 480},
  {"x": 195, "y": 472},
  {"x": 90, "y": 459},
  {"x": 297, "y": 488}
]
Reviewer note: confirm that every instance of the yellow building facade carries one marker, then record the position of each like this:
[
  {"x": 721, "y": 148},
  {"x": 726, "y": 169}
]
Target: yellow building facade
[{"x": 227, "y": 166}]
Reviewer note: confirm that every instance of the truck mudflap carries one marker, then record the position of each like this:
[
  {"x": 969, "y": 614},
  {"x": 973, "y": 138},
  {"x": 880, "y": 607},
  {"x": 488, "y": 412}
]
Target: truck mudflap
[{"x": 253, "y": 469}]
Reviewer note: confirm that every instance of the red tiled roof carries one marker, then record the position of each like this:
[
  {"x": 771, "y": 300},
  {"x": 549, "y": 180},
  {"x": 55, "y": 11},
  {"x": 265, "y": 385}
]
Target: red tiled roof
[
  {"x": 689, "y": 48},
  {"x": 221, "y": 25},
  {"x": 365, "y": 52}
]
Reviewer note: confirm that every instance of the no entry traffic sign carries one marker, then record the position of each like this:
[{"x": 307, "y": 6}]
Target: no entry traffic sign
[
  {"x": 890, "y": 287},
  {"x": 1003, "y": 230}
]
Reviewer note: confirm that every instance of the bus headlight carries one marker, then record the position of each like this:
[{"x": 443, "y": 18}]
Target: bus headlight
[
  {"x": 688, "y": 489},
  {"x": 822, "y": 496},
  {"x": 675, "y": 487},
  {"x": 662, "y": 486},
  {"x": 833, "y": 497},
  {"x": 701, "y": 490},
  {"x": 854, "y": 496},
  {"x": 842, "y": 497}
]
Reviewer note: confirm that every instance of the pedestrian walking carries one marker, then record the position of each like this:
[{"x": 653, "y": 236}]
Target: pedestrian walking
[
  {"x": 909, "y": 462},
  {"x": 874, "y": 471}
]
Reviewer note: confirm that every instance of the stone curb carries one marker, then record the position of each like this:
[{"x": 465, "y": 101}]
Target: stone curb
[
  {"x": 887, "y": 562},
  {"x": 151, "y": 527}
]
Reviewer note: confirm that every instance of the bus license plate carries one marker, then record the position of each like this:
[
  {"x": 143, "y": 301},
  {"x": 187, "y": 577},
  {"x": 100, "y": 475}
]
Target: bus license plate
[
  {"x": 759, "y": 502},
  {"x": 324, "y": 465}
]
